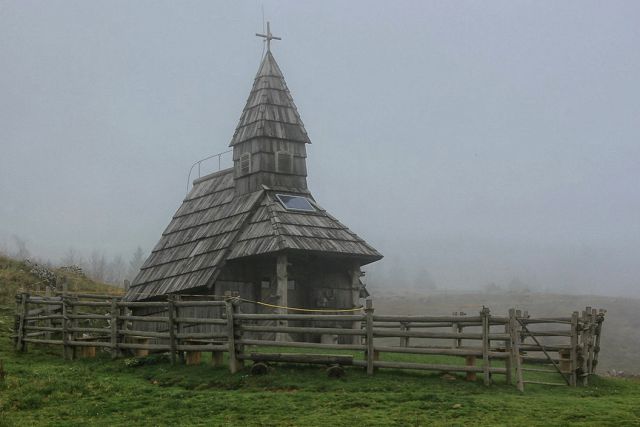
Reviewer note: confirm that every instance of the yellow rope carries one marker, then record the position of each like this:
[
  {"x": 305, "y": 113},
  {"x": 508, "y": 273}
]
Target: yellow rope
[{"x": 311, "y": 310}]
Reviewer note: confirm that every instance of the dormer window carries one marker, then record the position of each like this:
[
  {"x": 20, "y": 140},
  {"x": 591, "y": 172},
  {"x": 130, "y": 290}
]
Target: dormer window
[
  {"x": 245, "y": 164},
  {"x": 295, "y": 203},
  {"x": 284, "y": 162}
]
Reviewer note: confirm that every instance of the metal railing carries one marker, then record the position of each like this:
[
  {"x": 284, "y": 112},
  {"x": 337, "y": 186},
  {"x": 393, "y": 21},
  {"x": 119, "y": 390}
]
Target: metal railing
[{"x": 199, "y": 165}]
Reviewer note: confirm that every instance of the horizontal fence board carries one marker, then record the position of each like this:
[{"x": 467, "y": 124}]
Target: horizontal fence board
[
  {"x": 303, "y": 330},
  {"x": 145, "y": 318},
  {"x": 39, "y": 341},
  {"x": 144, "y": 334},
  {"x": 412, "y": 325},
  {"x": 200, "y": 320},
  {"x": 42, "y": 328},
  {"x": 318, "y": 317},
  {"x": 297, "y": 344},
  {"x": 88, "y": 296},
  {"x": 143, "y": 304},
  {"x": 425, "y": 319},
  {"x": 202, "y": 347},
  {"x": 550, "y": 347},
  {"x": 39, "y": 301},
  {"x": 559, "y": 320},
  {"x": 434, "y": 367},
  {"x": 89, "y": 316},
  {"x": 51, "y": 317},
  {"x": 164, "y": 347},
  {"x": 89, "y": 303},
  {"x": 90, "y": 343},
  {"x": 201, "y": 335},
  {"x": 546, "y": 333},
  {"x": 199, "y": 303},
  {"x": 94, "y": 330},
  {"x": 441, "y": 351}
]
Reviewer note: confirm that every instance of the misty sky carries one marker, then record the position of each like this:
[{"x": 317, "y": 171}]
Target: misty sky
[{"x": 481, "y": 141}]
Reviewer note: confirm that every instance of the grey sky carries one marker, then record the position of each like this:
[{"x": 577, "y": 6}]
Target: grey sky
[{"x": 482, "y": 141}]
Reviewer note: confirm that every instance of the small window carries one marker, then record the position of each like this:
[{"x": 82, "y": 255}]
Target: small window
[
  {"x": 291, "y": 285},
  {"x": 245, "y": 163},
  {"x": 295, "y": 203},
  {"x": 284, "y": 162}
]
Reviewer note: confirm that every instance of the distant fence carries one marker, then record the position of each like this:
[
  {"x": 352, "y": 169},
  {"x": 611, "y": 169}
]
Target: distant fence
[{"x": 488, "y": 344}]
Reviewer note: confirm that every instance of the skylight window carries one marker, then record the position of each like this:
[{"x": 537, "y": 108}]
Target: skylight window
[{"x": 295, "y": 203}]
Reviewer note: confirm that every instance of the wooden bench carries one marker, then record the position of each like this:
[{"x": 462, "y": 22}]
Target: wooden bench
[{"x": 320, "y": 359}]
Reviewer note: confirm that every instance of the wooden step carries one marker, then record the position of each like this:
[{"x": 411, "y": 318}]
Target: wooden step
[{"x": 544, "y": 383}]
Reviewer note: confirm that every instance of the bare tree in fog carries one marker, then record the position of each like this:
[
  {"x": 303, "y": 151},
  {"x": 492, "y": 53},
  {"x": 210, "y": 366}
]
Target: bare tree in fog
[
  {"x": 135, "y": 263},
  {"x": 97, "y": 267},
  {"x": 116, "y": 270},
  {"x": 21, "y": 252}
]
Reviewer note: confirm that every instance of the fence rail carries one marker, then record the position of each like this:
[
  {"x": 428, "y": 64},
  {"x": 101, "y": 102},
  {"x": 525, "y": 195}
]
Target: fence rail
[{"x": 489, "y": 344}]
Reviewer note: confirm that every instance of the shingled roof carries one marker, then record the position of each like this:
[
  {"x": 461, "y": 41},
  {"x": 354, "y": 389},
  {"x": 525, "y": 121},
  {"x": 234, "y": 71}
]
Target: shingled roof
[
  {"x": 214, "y": 225},
  {"x": 217, "y": 223},
  {"x": 270, "y": 110}
]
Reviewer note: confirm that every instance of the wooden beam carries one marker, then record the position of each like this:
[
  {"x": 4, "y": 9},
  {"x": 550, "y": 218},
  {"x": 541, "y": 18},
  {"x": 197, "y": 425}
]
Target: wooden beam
[{"x": 283, "y": 292}]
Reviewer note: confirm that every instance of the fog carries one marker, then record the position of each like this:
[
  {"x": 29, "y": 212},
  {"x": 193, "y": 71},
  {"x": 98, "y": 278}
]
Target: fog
[{"x": 477, "y": 144}]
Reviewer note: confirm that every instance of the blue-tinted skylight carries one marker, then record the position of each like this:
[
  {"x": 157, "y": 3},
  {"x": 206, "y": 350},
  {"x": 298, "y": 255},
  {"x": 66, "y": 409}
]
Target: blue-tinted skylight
[{"x": 295, "y": 203}]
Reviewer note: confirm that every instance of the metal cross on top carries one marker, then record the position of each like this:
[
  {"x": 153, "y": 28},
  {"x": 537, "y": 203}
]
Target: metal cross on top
[{"x": 268, "y": 37}]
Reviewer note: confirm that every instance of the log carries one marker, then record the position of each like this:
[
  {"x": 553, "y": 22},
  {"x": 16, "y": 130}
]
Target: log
[
  {"x": 201, "y": 321},
  {"x": 425, "y": 319},
  {"x": 290, "y": 329},
  {"x": 445, "y": 351},
  {"x": 184, "y": 303},
  {"x": 316, "y": 317},
  {"x": 431, "y": 367},
  {"x": 142, "y": 318},
  {"x": 297, "y": 344},
  {"x": 320, "y": 359}
]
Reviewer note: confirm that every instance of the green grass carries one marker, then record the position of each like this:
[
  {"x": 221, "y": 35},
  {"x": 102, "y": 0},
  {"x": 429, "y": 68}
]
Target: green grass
[{"x": 42, "y": 389}]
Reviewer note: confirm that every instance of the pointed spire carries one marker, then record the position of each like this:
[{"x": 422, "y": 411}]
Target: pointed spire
[{"x": 270, "y": 111}]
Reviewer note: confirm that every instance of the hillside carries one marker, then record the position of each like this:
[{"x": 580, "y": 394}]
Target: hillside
[{"x": 18, "y": 275}]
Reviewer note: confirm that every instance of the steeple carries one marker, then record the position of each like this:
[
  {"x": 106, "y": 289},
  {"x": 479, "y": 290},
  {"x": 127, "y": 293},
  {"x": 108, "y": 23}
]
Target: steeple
[{"x": 269, "y": 141}]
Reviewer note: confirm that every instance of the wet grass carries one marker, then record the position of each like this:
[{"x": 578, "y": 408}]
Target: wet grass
[{"x": 43, "y": 389}]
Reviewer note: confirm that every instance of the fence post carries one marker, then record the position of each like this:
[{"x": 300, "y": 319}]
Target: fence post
[
  {"x": 65, "y": 327},
  {"x": 114, "y": 328},
  {"x": 516, "y": 361},
  {"x": 370, "y": 348},
  {"x": 485, "y": 345},
  {"x": 404, "y": 327},
  {"x": 172, "y": 327},
  {"x": 574, "y": 349},
  {"x": 234, "y": 363},
  {"x": 180, "y": 329},
  {"x": 20, "y": 345},
  {"x": 75, "y": 324},
  {"x": 596, "y": 344},
  {"x": 508, "y": 349}
]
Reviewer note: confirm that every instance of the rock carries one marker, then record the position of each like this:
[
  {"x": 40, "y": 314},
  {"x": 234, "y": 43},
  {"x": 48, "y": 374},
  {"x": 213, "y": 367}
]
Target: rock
[
  {"x": 448, "y": 377},
  {"x": 457, "y": 406}
]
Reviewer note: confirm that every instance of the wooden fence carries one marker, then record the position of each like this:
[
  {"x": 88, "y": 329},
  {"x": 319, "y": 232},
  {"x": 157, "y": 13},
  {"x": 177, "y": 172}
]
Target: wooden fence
[{"x": 511, "y": 345}]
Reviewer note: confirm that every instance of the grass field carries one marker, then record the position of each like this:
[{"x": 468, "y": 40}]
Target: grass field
[{"x": 42, "y": 389}]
